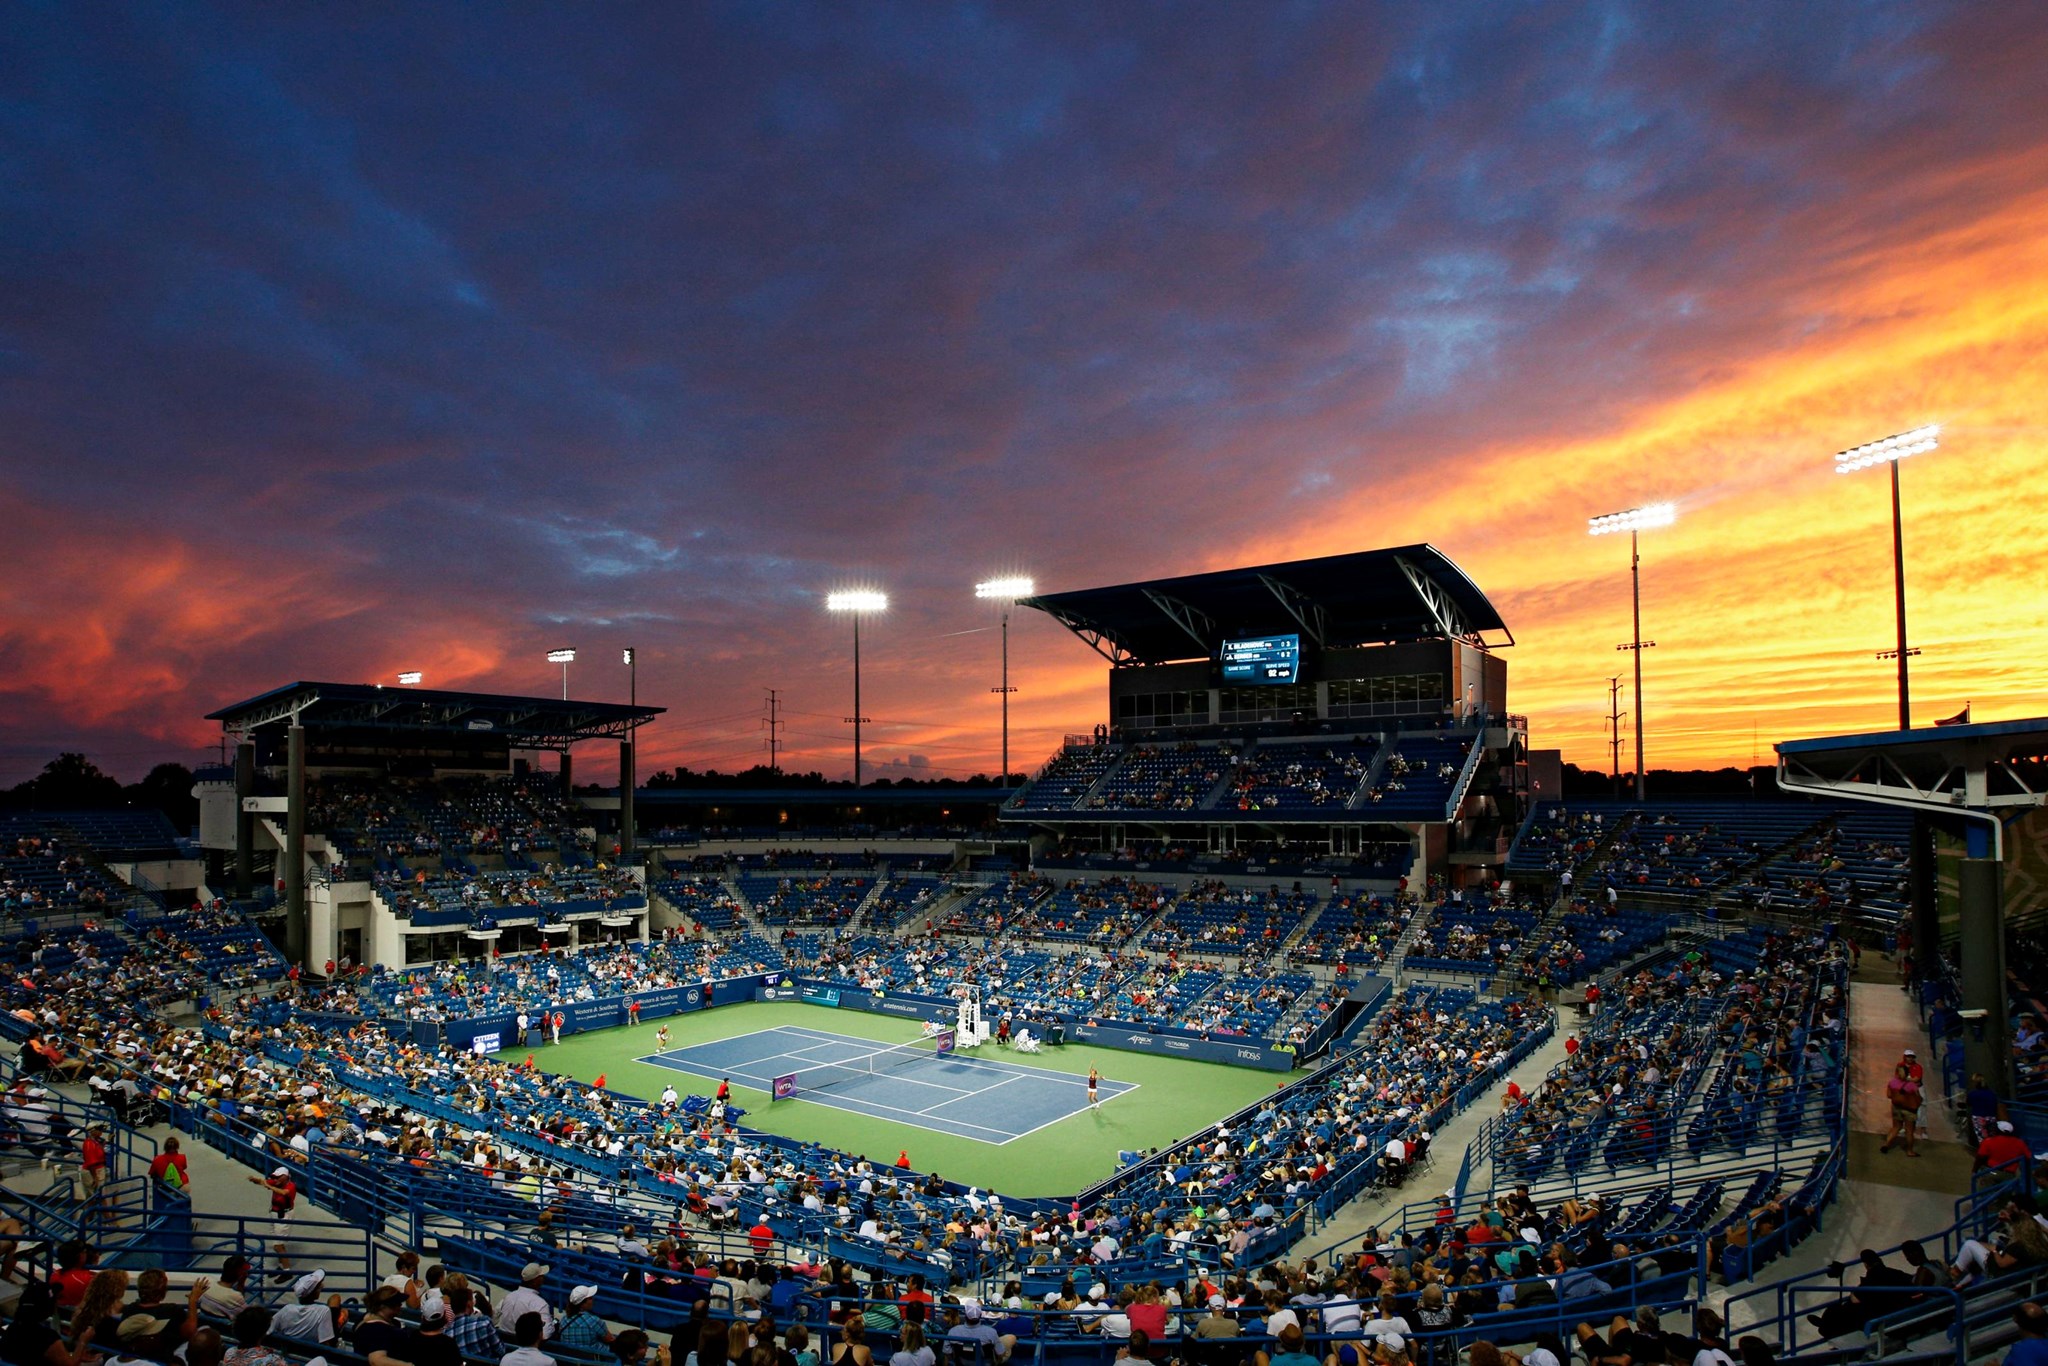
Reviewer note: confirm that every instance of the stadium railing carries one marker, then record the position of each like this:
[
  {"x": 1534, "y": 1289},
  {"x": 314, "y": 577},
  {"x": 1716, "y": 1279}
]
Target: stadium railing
[{"x": 1967, "y": 1321}]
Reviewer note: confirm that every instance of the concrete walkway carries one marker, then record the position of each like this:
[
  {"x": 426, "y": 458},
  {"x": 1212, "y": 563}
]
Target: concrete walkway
[{"x": 1885, "y": 1198}]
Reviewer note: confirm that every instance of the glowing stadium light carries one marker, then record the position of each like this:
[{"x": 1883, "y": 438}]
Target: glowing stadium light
[
  {"x": 856, "y": 601},
  {"x": 1005, "y": 590},
  {"x": 626, "y": 656},
  {"x": 1633, "y": 519},
  {"x": 564, "y": 657},
  {"x": 410, "y": 678},
  {"x": 1890, "y": 450}
]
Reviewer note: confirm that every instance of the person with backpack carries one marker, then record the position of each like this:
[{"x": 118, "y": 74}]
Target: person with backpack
[{"x": 167, "y": 1171}]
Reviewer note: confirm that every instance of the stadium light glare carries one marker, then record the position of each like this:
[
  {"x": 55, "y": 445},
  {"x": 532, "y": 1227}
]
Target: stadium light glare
[
  {"x": 564, "y": 657},
  {"x": 1889, "y": 450},
  {"x": 410, "y": 678},
  {"x": 857, "y": 602},
  {"x": 1005, "y": 590},
  {"x": 1633, "y": 519}
]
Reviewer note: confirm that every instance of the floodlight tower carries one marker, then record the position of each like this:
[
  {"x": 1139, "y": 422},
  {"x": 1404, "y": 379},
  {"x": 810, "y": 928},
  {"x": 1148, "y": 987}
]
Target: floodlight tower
[
  {"x": 1635, "y": 521},
  {"x": 1890, "y": 451},
  {"x": 629, "y": 754},
  {"x": 564, "y": 657},
  {"x": 1006, "y": 591},
  {"x": 857, "y": 603},
  {"x": 410, "y": 678}
]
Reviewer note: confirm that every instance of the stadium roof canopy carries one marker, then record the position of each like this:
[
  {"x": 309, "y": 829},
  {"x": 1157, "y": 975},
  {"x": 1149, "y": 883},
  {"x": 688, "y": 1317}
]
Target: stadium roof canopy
[
  {"x": 1368, "y": 597},
  {"x": 524, "y": 722}
]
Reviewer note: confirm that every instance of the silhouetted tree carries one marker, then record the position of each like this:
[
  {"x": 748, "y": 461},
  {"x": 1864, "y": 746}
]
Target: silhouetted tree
[
  {"x": 168, "y": 788},
  {"x": 68, "y": 781}
]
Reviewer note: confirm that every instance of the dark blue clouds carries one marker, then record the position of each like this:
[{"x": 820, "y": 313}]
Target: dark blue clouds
[{"x": 504, "y": 318}]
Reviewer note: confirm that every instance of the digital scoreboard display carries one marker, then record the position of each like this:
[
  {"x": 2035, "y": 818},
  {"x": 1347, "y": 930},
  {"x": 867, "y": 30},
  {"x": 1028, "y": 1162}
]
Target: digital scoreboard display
[{"x": 1262, "y": 659}]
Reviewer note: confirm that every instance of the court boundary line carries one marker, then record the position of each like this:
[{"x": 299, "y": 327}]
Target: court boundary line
[{"x": 1008, "y": 1071}]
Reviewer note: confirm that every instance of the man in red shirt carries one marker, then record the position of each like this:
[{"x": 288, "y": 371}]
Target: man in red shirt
[
  {"x": 917, "y": 1301},
  {"x": 762, "y": 1237},
  {"x": 1911, "y": 1062},
  {"x": 2002, "y": 1148},
  {"x": 92, "y": 1158},
  {"x": 284, "y": 1197}
]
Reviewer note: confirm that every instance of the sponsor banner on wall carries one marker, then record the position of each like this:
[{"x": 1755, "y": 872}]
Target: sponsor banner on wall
[
  {"x": 1237, "y": 1054},
  {"x": 1246, "y": 1053}
]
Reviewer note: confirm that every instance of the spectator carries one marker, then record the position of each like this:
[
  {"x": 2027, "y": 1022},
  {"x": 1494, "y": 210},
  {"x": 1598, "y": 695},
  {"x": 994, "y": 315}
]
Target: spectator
[
  {"x": 2002, "y": 1147},
  {"x": 167, "y": 1170},
  {"x": 429, "y": 1343},
  {"x": 581, "y": 1327},
  {"x": 475, "y": 1336},
  {"x": 224, "y": 1299},
  {"x": 307, "y": 1319},
  {"x": 380, "y": 1339},
  {"x": 2032, "y": 1348},
  {"x": 2024, "y": 1244},
  {"x": 630, "y": 1347},
  {"x": 526, "y": 1335},
  {"x": 1904, "y": 1093},
  {"x": 912, "y": 1352},
  {"x": 252, "y": 1326},
  {"x": 73, "y": 1273},
  {"x": 853, "y": 1347},
  {"x": 526, "y": 1300},
  {"x": 99, "y": 1313},
  {"x": 1293, "y": 1350}
]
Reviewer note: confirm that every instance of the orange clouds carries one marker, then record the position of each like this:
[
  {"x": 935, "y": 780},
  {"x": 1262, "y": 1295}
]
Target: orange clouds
[{"x": 1770, "y": 596}]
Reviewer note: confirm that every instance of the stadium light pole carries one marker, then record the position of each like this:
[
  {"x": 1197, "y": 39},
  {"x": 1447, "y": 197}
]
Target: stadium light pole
[
  {"x": 1635, "y": 521},
  {"x": 629, "y": 754},
  {"x": 1890, "y": 451},
  {"x": 857, "y": 603},
  {"x": 564, "y": 657},
  {"x": 410, "y": 678},
  {"x": 1005, "y": 591}
]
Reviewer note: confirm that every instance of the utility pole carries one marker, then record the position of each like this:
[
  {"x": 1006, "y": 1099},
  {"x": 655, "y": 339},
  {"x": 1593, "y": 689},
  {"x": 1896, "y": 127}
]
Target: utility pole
[
  {"x": 774, "y": 725},
  {"x": 1614, "y": 732}
]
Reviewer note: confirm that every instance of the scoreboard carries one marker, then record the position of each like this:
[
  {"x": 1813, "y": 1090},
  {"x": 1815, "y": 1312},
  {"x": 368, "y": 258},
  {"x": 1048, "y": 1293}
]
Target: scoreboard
[{"x": 1262, "y": 659}]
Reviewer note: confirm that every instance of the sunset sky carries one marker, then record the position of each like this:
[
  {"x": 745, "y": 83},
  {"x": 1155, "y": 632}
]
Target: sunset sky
[{"x": 336, "y": 341}]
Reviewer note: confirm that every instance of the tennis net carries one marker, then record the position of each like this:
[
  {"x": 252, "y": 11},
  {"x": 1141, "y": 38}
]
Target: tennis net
[{"x": 823, "y": 1076}]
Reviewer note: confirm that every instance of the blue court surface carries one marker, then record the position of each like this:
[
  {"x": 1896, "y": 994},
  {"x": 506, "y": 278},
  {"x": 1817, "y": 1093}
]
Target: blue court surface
[{"x": 986, "y": 1099}]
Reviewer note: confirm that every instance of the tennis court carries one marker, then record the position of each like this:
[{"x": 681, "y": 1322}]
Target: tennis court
[{"x": 986, "y": 1099}]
